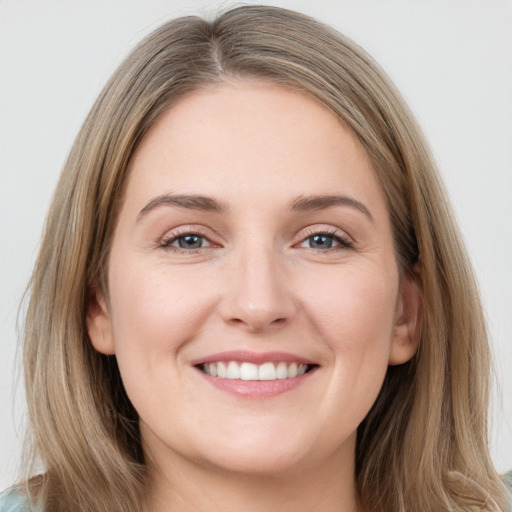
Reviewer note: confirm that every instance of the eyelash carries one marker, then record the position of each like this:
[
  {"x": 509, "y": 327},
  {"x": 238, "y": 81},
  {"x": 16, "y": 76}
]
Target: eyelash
[
  {"x": 342, "y": 241},
  {"x": 167, "y": 242}
]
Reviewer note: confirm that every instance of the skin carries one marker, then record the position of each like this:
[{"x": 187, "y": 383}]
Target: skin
[{"x": 258, "y": 283}]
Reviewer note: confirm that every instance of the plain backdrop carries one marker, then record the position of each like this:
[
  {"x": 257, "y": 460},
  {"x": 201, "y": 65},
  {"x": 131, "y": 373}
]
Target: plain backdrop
[{"x": 451, "y": 59}]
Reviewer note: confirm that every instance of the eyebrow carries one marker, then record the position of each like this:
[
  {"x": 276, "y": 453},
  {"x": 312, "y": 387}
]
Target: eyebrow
[
  {"x": 193, "y": 202},
  {"x": 208, "y": 204},
  {"x": 320, "y": 202}
]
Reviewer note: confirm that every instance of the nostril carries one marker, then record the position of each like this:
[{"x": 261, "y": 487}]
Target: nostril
[{"x": 256, "y": 324}]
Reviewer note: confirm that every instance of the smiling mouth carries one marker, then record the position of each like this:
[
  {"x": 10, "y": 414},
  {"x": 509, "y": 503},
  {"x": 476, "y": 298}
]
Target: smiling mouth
[{"x": 255, "y": 372}]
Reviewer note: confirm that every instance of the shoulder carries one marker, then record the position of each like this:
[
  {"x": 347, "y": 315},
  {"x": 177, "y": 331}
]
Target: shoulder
[
  {"x": 12, "y": 501},
  {"x": 507, "y": 479}
]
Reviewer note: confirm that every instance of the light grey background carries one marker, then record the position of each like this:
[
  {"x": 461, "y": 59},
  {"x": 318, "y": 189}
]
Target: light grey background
[{"x": 451, "y": 59}]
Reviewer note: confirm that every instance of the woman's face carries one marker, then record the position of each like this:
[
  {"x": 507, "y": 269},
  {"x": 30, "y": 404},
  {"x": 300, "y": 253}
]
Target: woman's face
[{"x": 254, "y": 298}]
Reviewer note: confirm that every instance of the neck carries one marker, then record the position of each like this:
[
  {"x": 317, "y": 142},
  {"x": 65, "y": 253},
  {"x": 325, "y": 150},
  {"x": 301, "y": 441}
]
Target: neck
[{"x": 188, "y": 487}]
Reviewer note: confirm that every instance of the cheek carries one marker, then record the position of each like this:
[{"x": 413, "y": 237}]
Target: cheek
[
  {"x": 157, "y": 310},
  {"x": 354, "y": 309},
  {"x": 354, "y": 316}
]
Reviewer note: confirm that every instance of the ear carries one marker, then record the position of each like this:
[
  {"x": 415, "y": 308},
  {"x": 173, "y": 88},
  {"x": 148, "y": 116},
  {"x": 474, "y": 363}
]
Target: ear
[
  {"x": 98, "y": 323},
  {"x": 407, "y": 318}
]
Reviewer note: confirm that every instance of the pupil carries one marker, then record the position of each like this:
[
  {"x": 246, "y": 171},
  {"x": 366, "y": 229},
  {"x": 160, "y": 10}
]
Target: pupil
[
  {"x": 190, "y": 242},
  {"x": 321, "y": 242}
]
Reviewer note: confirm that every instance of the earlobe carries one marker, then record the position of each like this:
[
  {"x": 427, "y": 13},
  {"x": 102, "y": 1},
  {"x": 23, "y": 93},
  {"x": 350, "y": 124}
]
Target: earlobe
[
  {"x": 98, "y": 323},
  {"x": 407, "y": 319}
]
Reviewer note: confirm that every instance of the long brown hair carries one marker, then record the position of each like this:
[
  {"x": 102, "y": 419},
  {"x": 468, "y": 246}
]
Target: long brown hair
[{"x": 423, "y": 446}]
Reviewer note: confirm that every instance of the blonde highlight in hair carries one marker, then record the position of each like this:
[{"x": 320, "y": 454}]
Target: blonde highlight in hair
[{"x": 423, "y": 446}]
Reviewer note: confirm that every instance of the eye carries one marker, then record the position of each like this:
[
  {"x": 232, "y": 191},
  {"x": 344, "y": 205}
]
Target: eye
[
  {"x": 325, "y": 241},
  {"x": 320, "y": 241},
  {"x": 186, "y": 241},
  {"x": 190, "y": 241}
]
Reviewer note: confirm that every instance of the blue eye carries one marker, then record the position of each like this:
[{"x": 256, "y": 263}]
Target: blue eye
[
  {"x": 325, "y": 241},
  {"x": 320, "y": 241},
  {"x": 189, "y": 241}
]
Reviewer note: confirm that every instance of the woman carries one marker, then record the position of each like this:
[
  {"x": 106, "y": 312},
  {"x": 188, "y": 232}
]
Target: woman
[{"x": 251, "y": 293}]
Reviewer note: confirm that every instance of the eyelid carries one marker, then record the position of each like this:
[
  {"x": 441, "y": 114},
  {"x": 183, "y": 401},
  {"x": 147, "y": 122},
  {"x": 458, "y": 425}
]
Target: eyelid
[
  {"x": 172, "y": 241},
  {"x": 342, "y": 236},
  {"x": 344, "y": 240},
  {"x": 173, "y": 234}
]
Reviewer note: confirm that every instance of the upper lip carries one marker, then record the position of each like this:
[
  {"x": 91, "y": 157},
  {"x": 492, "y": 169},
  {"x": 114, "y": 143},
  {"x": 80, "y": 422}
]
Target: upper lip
[{"x": 253, "y": 357}]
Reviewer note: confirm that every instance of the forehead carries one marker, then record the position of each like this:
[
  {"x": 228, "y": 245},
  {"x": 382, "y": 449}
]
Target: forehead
[{"x": 254, "y": 138}]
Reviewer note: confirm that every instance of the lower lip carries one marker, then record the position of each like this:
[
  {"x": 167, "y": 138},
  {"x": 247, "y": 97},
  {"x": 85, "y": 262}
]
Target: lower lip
[{"x": 257, "y": 388}]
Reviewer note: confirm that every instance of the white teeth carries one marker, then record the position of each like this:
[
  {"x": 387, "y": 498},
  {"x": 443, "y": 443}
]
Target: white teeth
[
  {"x": 281, "y": 371},
  {"x": 233, "y": 370},
  {"x": 221, "y": 370},
  {"x": 250, "y": 371},
  {"x": 267, "y": 371}
]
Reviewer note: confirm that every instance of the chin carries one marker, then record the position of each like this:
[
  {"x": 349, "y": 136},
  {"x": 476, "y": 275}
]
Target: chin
[
  {"x": 259, "y": 462},
  {"x": 272, "y": 453}
]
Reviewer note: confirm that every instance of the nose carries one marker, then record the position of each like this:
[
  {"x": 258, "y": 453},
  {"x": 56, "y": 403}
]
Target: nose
[{"x": 259, "y": 296}]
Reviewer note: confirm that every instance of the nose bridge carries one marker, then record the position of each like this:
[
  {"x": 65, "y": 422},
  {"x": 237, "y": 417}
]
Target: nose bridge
[{"x": 257, "y": 296}]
